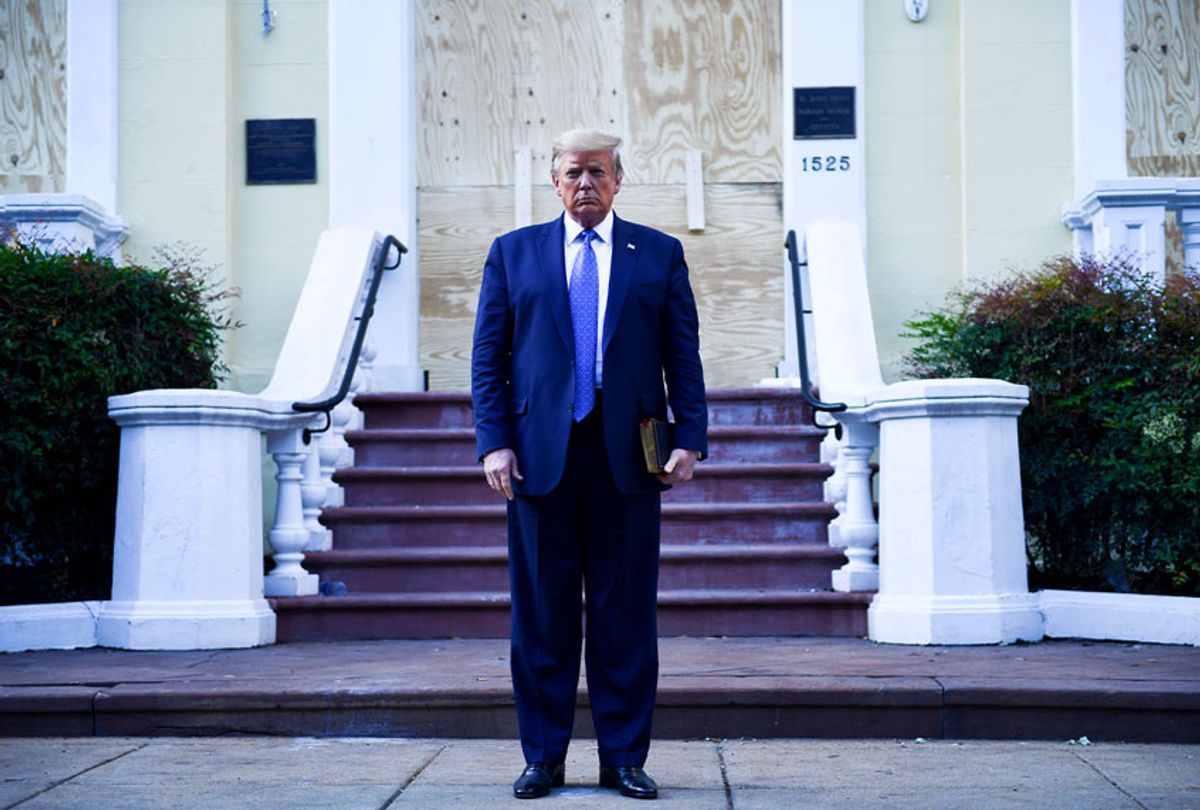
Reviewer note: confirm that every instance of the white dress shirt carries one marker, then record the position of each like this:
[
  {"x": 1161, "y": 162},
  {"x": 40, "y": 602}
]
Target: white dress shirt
[{"x": 602, "y": 246}]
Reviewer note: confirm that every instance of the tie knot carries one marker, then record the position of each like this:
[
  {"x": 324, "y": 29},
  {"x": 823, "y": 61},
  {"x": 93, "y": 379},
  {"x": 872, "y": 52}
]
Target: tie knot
[{"x": 587, "y": 236}]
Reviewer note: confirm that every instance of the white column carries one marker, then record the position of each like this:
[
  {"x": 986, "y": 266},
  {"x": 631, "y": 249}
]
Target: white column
[
  {"x": 952, "y": 532},
  {"x": 92, "y": 101},
  {"x": 372, "y": 160},
  {"x": 823, "y": 46},
  {"x": 1098, "y": 92}
]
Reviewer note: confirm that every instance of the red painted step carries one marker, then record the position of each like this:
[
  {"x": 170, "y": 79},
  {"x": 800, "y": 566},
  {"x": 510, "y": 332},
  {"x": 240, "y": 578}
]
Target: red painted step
[
  {"x": 484, "y": 568},
  {"x": 420, "y": 542}
]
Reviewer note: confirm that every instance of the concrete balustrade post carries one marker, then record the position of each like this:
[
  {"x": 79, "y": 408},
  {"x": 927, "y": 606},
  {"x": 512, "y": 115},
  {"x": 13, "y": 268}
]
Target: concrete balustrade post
[
  {"x": 1189, "y": 222},
  {"x": 834, "y": 487},
  {"x": 857, "y": 529},
  {"x": 288, "y": 535},
  {"x": 312, "y": 493},
  {"x": 952, "y": 537}
]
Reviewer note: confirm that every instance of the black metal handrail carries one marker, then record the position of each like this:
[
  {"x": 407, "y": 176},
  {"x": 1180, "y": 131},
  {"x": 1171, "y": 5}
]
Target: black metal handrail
[
  {"x": 329, "y": 403},
  {"x": 802, "y": 342}
]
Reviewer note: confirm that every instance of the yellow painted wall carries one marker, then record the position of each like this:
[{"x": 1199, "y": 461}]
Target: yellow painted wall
[
  {"x": 968, "y": 122},
  {"x": 191, "y": 72}
]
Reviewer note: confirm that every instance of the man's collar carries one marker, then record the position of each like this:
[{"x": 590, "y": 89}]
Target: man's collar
[{"x": 603, "y": 230}]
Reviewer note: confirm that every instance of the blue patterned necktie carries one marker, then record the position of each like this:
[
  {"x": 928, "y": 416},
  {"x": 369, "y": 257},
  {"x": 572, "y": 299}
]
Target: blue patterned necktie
[{"x": 585, "y": 298}]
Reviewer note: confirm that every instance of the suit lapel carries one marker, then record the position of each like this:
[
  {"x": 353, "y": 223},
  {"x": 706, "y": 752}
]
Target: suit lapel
[
  {"x": 624, "y": 262},
  {"x": 550, "y": 256}
]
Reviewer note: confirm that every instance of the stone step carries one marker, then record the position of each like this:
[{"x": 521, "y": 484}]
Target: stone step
[
  {"x": 485, "y": 614},
  {"x": 713, "y": 523},
  {"x": 708, "y": 687},
  {"x": 452, "y": 409},
  {"x": 410, "y": 447},
  {"x": 408, "y": 570},
  {"x": 430, "y": 486}
]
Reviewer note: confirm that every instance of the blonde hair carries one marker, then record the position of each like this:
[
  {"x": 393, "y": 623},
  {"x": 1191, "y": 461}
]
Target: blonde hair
[{"x": 587, "y": 140}]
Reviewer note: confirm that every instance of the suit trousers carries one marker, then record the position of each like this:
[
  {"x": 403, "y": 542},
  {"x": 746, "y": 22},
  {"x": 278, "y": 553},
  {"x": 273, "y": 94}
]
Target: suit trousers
[{"x": 585, "y": 535}]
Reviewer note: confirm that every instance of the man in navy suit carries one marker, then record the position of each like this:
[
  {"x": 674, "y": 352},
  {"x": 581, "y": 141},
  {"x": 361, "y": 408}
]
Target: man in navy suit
[{"x": 581, "y": 321}]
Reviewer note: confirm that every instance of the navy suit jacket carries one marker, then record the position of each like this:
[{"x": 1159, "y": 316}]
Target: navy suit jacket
[{"x": 523, "y": 363}]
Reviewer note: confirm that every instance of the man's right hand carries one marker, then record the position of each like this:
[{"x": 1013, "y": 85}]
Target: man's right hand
[{"x": 500, "y": 467}]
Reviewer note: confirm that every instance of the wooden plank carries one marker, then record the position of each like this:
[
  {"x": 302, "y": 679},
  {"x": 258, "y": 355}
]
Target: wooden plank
[
  {"x": 704, "y": 74},
  {"x": 495, "y": 76},
  {"x": 33, "y": 104},
  {"x": 735, "y": 267},
  {"x": 695, "y": 190}
]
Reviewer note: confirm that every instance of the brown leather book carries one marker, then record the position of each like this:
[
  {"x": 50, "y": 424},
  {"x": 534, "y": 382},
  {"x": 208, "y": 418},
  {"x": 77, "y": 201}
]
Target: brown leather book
[{"x": 658, "y": 439}]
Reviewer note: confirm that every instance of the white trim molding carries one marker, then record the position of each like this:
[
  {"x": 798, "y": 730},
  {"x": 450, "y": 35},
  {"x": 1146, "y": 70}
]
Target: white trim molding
[
  {"x": 1098, "y": 91},
  {"x": 373, "y": 116},
  {"x": 92, "y": 101},
  {"x": 64, "y": 222},
  {"x": 58, "y": 626},
  {"x": 1121, "y": 617}
]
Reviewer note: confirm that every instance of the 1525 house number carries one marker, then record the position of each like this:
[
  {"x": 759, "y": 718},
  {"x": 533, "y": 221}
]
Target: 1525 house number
[{"x": 825, "y": 163}]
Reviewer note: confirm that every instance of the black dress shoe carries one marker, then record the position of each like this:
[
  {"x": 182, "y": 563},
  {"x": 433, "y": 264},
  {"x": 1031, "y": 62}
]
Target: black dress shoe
[
  {"x": 537, "y": 779},
  {"x": 632, "y": 782}
]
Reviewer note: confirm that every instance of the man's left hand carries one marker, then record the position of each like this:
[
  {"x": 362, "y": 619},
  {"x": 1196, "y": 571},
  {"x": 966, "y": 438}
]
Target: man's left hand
[{"x": 679, "y": 466}]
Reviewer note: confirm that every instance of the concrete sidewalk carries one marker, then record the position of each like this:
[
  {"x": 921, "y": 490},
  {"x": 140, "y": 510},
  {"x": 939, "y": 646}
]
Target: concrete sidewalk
[{"x": 374, "y": 774}]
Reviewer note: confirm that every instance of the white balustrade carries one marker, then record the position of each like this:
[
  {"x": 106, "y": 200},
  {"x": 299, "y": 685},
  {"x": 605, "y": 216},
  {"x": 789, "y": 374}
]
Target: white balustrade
[
  {"x": 187, "y": 567},
  {"x": 1128, "y": 215},
  {"x": 313, "y": 491},
  {"x": 950, "y": 532},
  {"x": 858, "y": 532},
  {"x": 290, "y": 534},
  {"x": 834, "y": 488}
]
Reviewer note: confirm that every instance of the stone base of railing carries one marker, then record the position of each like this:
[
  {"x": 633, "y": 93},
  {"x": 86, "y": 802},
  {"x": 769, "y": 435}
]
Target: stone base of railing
[
  {"x": 185, "y": 624},
  {"x": 954, "y": 619}
]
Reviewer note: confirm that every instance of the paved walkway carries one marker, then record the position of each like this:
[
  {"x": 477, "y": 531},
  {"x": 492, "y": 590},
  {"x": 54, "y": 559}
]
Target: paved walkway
[{"x": 375, "y": 774}]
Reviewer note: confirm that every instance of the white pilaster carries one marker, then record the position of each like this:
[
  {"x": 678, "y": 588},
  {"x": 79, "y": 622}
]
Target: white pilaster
[
  {"x": 1098, "y": 92},
  {"x": 823, "y": 46},
  {"x": 372, "y": 160},
  {"x": 92, "y": 101}
]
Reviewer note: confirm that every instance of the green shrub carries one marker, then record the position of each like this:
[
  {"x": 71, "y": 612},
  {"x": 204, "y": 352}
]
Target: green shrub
[
  {"x": 75, "y": 329},
  {"x": 1110, "y": 442}
]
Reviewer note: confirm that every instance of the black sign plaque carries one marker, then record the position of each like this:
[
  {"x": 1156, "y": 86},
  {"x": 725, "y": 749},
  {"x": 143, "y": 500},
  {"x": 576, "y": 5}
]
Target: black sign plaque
[
  {"x": 281, "y": 150},
  {"x": 823, "y": 113}
]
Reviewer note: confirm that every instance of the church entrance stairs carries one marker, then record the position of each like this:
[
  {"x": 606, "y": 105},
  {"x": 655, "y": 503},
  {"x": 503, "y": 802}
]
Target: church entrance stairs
[{"x": 420, "y": 541}]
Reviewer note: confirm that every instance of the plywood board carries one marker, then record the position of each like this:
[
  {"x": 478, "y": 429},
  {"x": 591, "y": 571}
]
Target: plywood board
[
  {"x": 735, "y": 268},
  {"x": 1162, "y": 97},
  {"x": 496, "y": 76},
  {"x": 1162, "y": 86},
  {"x": 33, "y": 101},
  {"x": 703, "y": 75}
]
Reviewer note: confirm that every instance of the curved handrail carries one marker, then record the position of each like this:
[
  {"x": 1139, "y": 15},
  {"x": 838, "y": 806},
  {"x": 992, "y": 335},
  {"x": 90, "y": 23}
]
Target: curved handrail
[
  {"x": 801, "y": 342},
  {"x": 331, "y": 402}
]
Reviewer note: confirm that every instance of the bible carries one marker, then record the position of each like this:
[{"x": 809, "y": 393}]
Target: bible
[{"x": 658, "y": 439}]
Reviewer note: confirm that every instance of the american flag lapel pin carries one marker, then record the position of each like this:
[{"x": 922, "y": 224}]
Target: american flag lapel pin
[{"x": 631, "y": 245}]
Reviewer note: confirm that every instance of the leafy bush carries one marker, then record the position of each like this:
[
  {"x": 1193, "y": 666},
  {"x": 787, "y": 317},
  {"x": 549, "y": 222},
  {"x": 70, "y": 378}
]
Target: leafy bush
[
  {"x": 75, "y": 329},
  {"x": 1110, "y": 442}
]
